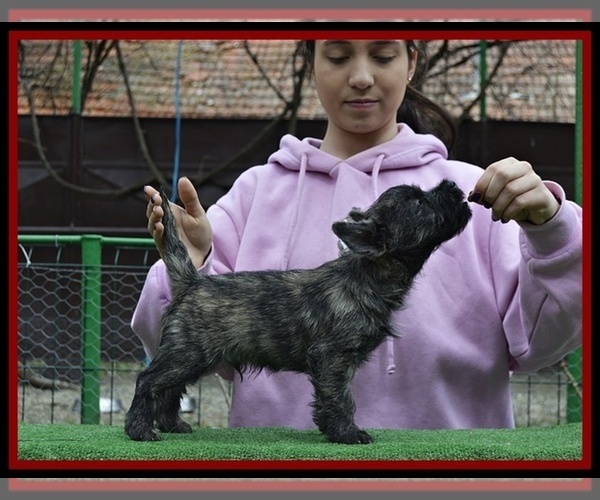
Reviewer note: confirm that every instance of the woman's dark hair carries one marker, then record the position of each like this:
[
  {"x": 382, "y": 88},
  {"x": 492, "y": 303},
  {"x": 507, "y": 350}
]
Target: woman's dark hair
[{"x": 418, "y": 111}]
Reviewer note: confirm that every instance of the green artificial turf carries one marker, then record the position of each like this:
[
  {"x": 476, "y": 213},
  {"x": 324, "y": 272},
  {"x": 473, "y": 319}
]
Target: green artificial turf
[{"x": 103, "y": 442}]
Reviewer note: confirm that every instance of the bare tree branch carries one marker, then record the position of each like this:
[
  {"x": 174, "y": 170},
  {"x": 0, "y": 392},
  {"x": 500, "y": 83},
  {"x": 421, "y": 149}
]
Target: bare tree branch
[
  {"x": 298, "y": 76},
  {"x": 138, "y": 128},
  {"x": 98, "y": 51},
  {"x": 53, "y": 173},
  {"x": 201, "y": 179},
  {"x": 290, "y": 112},
  {"x": 465, "y": 53},
  {"x": 38, "y": 143},
  {"x": 263, "y": 72},
  {"x": 490, "y": 77}
]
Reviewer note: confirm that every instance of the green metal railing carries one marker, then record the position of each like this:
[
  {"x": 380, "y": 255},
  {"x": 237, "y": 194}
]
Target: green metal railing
[{"x": 91, "y": 305}]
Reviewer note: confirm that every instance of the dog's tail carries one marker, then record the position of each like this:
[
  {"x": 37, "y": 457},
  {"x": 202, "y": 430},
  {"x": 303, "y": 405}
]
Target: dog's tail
[{"x": 180, "y": 268}]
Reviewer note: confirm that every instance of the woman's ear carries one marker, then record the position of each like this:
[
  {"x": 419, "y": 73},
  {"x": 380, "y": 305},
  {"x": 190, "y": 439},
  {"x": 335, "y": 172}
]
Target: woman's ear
[{"x": 412, "y": 63}]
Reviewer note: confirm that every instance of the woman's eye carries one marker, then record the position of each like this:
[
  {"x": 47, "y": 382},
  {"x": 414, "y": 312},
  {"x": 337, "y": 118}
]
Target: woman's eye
[
  {"x": 337, "y": 59},
  {"x": 384, "y": 59}
]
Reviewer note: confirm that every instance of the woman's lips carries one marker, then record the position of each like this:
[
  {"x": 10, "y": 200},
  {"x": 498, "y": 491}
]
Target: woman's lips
[{"x": 361, "y": 103}]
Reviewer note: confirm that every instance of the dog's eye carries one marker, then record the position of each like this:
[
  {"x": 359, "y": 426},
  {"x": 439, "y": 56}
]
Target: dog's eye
[{"x": 423, "y": 203}]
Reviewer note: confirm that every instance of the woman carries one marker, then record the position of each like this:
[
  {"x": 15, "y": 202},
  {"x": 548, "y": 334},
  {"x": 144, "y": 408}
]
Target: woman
[{"x": 505, "y": 295}]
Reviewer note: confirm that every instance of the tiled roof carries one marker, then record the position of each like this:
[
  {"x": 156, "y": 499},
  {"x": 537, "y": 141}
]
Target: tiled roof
[{"x": 218, "y": 79}]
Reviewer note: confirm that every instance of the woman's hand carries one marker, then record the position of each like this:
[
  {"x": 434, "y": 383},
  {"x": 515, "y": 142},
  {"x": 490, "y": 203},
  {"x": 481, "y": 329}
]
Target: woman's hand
[
  {"x": 513, "y": 190},
  {"x": 194, "y": 228}
]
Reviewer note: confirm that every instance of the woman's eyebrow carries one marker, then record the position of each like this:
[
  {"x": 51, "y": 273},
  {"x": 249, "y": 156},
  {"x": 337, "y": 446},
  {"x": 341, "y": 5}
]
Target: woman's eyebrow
[
  {"x": 336, "y": 42},
  {"x": 374, "y": 42},
  {"x": 386, "y": 42}
]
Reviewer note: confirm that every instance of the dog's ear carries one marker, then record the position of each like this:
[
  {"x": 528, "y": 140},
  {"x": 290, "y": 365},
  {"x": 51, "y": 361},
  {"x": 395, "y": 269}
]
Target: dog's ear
[
  {"x": 361, "y": 237},
  {"x": 356, "y": 214}
]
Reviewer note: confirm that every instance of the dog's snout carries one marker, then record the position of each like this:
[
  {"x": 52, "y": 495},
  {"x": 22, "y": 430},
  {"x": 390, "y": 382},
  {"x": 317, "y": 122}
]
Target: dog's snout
[
  {"x": 450, "y": 186},
  {"x": 447, "y": 184}
]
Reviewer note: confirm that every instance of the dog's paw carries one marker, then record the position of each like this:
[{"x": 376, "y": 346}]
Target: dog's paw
[
  {"x": 145, "y": 435},
  {"x": 357, "y": 436},
  {"x": 364, "y": 437},
  {"x": 179, "y": 427}
]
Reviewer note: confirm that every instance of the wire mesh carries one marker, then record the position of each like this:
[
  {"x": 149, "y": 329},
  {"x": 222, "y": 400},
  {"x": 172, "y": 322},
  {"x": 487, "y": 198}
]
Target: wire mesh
[{"x": 50, "y": 280}]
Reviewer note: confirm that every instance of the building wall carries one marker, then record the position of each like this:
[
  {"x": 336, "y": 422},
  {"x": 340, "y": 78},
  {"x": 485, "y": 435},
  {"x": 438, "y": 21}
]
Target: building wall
[{"x": 103, "y": 153}]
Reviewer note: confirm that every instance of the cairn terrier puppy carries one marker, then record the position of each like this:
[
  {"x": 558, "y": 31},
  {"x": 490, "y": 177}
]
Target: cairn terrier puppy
[{"x": 323, "y": 322}]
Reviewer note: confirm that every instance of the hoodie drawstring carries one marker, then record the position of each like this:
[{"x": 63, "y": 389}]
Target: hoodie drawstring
[
  {"x": 292, "y": 228},
  {"x": 375, "y": 175},
  {"x": 391, "y": 367}
]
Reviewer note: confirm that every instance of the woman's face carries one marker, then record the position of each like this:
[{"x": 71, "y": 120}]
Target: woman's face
[{"x": 361, "y": 83}]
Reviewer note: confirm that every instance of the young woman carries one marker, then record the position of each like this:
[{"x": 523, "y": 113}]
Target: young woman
[{"x": 505, "y": 295}]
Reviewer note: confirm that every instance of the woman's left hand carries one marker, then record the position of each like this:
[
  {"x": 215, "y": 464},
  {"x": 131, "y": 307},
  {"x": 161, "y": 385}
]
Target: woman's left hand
[{"x": 513, "y": 190}]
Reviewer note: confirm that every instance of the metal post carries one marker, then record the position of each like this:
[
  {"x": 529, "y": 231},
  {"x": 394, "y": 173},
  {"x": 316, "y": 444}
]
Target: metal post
[
  {"x": 482, "y": 79},
  {"x": 76, "y": 98},
  {"x": 91, "y": 253},
  {"x": 483, "y": 127},
  {"x": 71, "y": 202},
  {"x": 574, "y": 403}
]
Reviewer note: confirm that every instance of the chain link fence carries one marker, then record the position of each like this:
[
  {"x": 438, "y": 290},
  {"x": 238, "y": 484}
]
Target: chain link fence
[{"x": 78, "y": 357}]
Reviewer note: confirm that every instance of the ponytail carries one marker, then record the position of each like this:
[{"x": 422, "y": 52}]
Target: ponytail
[{"x": 426, "y": 117}]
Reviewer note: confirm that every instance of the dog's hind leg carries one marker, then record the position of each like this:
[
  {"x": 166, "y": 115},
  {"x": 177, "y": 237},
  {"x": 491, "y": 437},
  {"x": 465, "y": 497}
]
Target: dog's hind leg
[
  {"x": 176, "y": 369},
  {"x": 167, "y": 411},
  {"x": 157, "y": 396},
  {"x": 140, "y": 417}
]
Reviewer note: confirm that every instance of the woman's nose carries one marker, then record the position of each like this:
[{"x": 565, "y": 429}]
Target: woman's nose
[{"x": 361, "y": 76}]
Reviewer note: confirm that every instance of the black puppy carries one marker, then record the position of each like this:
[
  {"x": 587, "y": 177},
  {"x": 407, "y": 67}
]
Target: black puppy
[{"x": 323, "y": 322}]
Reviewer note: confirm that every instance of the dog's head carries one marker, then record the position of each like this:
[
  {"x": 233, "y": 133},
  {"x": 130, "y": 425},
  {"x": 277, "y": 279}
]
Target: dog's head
[{"x": 406, "y": 222}]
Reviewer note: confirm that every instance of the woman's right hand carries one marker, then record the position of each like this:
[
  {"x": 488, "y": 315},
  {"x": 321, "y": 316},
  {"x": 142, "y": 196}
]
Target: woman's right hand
[{"x": 193, "y": 227}]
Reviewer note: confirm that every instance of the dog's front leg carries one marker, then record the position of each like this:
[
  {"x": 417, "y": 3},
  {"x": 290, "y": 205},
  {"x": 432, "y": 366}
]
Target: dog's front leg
[{"x": 333, "y": 404}]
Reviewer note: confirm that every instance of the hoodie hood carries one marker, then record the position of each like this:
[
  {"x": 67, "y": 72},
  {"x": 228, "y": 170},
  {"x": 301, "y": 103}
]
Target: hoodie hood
[{"x": 406, "y": 150}]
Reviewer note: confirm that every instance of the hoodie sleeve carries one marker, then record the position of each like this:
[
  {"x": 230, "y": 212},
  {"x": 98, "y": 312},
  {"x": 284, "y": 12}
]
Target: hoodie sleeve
[
  {"x": 542, "y": 309},
  {"x": 155, "y": 296}
]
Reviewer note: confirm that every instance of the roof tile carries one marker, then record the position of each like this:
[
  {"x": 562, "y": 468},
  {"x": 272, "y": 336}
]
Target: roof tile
[{"x": 218, "y": 79}]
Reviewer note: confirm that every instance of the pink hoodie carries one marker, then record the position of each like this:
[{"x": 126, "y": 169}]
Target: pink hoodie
[{"x": 497, "y": 298}]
